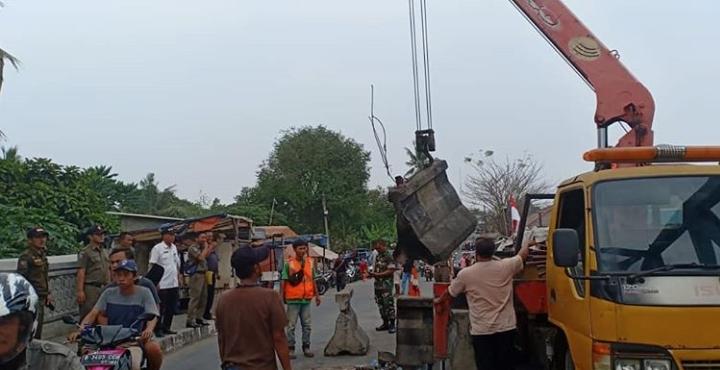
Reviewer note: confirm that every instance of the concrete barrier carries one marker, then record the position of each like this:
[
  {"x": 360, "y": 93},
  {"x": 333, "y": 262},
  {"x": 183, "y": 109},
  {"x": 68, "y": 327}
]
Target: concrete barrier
[
  {"x": 349, "y": 338},
  {"x": 461, "y": 353}
]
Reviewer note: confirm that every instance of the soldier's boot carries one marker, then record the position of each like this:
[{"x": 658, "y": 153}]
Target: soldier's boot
[
  {"x": 291, "y": 349},
  {"x": 391, "y": 327},
  {"x": 383, "y": 327},
  {"x": 307, "y": 352}
]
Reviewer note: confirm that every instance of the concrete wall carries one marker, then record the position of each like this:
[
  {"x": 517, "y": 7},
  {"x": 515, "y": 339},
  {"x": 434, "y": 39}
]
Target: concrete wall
[{"x": 62, "y": 275}]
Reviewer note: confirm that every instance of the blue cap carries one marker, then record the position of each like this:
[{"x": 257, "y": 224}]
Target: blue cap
[{"x": 127, "y": 265}]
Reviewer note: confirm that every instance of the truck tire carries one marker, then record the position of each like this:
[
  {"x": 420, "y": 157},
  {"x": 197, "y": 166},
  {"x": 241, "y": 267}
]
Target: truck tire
[{"x": 563, "y": 358}]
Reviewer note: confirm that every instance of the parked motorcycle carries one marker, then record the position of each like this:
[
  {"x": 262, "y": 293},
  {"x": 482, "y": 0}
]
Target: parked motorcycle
[
  {"x": 111, "y": 347},
  {"x": 324, "y": 282}
]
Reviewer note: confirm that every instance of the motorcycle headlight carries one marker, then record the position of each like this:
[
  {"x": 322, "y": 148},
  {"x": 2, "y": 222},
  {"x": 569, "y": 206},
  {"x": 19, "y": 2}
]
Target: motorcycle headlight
[
  {"x": 627, "y": 364},
  {"x": 657, "y": 365}
]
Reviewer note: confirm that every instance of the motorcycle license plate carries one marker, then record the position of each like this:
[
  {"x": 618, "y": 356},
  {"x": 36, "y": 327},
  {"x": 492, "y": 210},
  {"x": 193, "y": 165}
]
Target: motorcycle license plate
[{"x": 101, "y": 359}]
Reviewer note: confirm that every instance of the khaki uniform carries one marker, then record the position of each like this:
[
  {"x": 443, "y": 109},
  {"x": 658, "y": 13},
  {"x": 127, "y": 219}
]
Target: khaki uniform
[
  {"x": 198, "y": 287},
  {"x": 96, "y": 262},
  {"x": 33, "y": 265},
  {"x": 43, "y": 355}
]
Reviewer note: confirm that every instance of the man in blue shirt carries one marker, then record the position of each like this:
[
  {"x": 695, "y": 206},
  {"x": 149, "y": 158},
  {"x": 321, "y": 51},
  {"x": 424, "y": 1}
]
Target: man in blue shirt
[{"x": 122, "y": 304}]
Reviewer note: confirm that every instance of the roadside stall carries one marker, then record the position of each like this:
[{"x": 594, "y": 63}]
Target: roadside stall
[{"x": 234, "y": 230}]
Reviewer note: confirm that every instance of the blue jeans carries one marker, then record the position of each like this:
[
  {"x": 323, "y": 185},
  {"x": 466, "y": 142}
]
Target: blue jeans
[
  {"x": 301, "y": 310},
  {"x": 405, "y": 283}
]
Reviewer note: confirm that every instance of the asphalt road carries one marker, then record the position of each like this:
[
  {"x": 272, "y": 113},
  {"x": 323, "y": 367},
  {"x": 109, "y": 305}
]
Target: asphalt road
[{"x": 204, "y": 354}]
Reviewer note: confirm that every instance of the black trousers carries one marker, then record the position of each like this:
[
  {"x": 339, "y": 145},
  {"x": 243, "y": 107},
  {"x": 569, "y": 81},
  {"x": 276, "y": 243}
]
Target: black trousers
[
  {"x": 168, "y": 304},
  {"x": 210, "y": 296},
  {"x": 494, "y": 351}
]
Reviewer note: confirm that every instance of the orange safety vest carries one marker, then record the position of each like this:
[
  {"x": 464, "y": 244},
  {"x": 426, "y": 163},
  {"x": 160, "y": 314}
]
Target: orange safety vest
[{"x": 306, "y": 288}]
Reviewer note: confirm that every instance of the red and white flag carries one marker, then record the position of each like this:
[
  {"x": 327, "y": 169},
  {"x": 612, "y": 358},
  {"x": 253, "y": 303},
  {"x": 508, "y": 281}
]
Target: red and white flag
[{"x": 514, "y": 215}]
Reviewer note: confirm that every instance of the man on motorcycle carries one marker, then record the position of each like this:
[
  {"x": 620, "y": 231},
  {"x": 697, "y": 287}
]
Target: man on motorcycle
[
  {"x": 122, "y": 304},
  {"x": 18, "y": 320}
]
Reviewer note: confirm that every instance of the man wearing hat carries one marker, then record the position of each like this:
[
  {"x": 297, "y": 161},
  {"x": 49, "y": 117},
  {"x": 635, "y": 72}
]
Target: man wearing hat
[
  {"x": 33, "y": 265},
  {"x": 299, "y": 290},
  {"x": 122, "y": 304},
  {"x": 165, "y": 255},
  {"x": 250, "y": 320},
  {"x": 93, "y": 270}
]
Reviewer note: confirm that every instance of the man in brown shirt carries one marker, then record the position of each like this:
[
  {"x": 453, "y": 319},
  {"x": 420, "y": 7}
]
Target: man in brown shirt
[
  {"x": 250, "y": 319},
  {"x": 33, "y": 265}
]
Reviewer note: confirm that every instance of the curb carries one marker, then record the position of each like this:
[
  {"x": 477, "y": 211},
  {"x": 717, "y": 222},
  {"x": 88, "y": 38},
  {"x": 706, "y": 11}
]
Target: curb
[{"x": 185, "y": 337}]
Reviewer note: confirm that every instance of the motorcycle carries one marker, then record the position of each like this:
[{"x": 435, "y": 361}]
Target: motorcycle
[
  {"x": 324, "y": 282},
  {"x": 111, "y": 347}
]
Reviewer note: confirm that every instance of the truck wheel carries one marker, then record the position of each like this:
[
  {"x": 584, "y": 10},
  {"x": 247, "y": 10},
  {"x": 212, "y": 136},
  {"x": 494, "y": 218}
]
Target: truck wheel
[{"x": 563, "y": 358}]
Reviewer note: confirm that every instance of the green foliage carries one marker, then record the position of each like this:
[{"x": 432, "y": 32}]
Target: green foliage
[
  {"x": 310, "y": 163},
  {"x": 63, "y": 199}
]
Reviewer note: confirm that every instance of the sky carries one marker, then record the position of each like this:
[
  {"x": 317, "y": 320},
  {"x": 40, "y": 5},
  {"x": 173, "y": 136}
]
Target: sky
[{"x": 198, "y": 92}]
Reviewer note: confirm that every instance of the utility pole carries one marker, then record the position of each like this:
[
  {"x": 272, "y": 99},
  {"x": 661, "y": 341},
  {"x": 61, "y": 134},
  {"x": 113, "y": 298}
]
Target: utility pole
[
  {"x": 327, "y": 231},
  {"x": 272, "y": 210}
]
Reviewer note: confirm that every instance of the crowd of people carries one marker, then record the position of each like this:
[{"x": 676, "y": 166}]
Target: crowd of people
[
  {"x": 255, "y": 323},
  {"x": 109, "y": 290}
]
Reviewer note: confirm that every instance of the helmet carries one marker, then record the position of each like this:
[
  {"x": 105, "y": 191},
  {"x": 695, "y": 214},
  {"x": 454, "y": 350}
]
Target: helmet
[{"x": 18, "y": 299}]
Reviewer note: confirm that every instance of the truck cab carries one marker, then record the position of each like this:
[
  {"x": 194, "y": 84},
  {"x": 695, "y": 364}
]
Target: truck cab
[{"x": 633, "y": 281}]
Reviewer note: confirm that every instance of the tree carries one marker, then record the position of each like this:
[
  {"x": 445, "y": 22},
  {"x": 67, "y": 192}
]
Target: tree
[
  {"x": 60, "y": 198},
  {"x": 306, "y": 164},
  {"x": 494, "y": 183},
  {"x": 416, "y": 160},
  {"x": 5, "y": 57},
  {"x": 150, "y": 199}
]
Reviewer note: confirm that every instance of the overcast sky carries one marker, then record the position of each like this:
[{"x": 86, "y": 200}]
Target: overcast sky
[{"x": 197, "y": 92}]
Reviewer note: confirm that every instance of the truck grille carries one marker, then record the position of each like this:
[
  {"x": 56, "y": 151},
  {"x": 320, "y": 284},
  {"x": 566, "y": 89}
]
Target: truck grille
[{"x": 701, "y": 365}]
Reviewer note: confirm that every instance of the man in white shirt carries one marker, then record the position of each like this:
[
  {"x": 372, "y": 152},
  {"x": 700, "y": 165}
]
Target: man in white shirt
[
  {"x": 488, "y": 287},
  {"x": 166, "y": 255}
]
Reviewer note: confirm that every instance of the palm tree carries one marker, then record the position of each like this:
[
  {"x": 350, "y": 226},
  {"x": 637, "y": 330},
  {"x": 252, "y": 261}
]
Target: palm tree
[
  {"x": 10, "y": 154},
  {"x": 416, "y": 161},
  {"x": 5, "y": 56}
]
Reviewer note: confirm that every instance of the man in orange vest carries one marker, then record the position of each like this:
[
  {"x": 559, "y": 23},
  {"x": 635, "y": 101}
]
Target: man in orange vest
[{"x": 299, "y": 290}]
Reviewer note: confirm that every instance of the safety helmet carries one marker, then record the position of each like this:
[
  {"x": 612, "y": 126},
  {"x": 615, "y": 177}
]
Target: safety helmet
[{"x": 18, "y": 299}]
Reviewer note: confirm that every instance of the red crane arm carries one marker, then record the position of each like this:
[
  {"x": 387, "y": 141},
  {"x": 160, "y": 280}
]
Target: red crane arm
[{"x": 620, "y": 97}]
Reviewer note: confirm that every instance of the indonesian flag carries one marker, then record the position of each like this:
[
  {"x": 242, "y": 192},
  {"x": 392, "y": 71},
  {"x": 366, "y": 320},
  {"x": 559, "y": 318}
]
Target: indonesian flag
[{"x": 514, "y": 215}]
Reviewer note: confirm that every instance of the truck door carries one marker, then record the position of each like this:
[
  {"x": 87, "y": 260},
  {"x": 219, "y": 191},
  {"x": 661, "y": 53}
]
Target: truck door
[{"x": 569, "y": 306}]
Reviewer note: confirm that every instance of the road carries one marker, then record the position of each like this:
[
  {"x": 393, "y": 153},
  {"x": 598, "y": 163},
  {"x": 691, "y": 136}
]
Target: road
[{"x": 204, "y": 355}]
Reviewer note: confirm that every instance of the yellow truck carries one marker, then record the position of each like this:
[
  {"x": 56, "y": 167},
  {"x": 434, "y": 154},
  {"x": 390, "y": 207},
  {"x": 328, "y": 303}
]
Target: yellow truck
[{"x": 629, "y": 278}]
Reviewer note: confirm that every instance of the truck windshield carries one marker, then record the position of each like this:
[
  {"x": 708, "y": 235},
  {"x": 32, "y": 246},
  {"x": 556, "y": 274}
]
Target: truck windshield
[{"x": 644, "y": 224}]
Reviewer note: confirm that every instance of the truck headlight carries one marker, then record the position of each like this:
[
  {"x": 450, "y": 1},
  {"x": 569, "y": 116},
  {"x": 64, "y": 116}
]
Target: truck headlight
[
  {"x": 657, "y": 365},
  {"x": 628, "y": 364}
]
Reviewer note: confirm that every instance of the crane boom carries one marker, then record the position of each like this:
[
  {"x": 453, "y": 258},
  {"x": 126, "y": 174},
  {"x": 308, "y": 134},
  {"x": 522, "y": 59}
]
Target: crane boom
[{"x": 620, "y": 96}]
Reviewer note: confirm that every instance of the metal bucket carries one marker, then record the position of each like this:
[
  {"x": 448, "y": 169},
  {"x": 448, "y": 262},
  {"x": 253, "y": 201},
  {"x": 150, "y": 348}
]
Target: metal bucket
[{"x": 431, "y": 220}]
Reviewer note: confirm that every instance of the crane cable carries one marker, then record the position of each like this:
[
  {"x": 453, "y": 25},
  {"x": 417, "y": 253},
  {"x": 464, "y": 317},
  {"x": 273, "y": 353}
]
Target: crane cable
[
  {"x": 413, "y": 50},
  {"x": 426, "y": 61}
]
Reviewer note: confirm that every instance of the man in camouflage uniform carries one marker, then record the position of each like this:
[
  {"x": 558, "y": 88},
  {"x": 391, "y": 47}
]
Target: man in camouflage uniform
[
  {"x": 93, "y": 271},
  {"x": 383, "y": 274},
  {"x": 33, "y": 265}
]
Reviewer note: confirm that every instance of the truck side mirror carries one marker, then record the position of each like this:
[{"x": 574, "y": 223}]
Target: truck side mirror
[{"x": 566, "y": 248}]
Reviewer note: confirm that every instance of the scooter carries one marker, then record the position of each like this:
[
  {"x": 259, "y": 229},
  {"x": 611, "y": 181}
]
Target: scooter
[
  {"x": 324, "y": 282},
  {"x": 111, "y": 347}
]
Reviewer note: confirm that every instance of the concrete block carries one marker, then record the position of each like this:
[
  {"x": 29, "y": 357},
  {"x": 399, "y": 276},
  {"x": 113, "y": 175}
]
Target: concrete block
[
  {"x": 462, "y": 355},
  {"x": 349, "y": 338}
]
